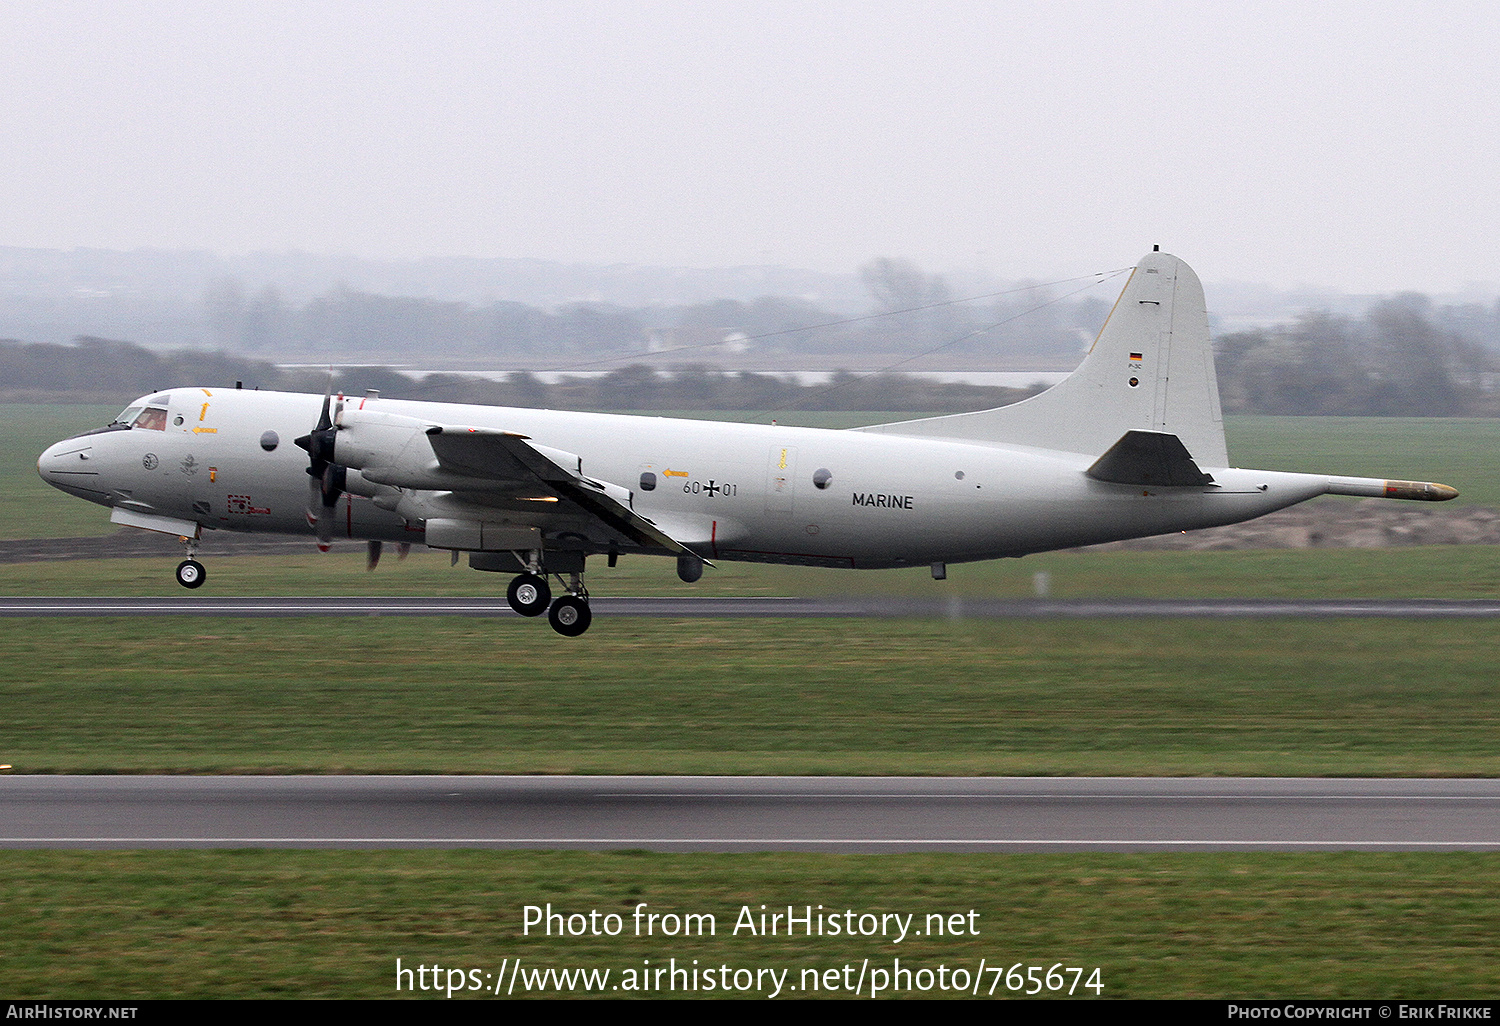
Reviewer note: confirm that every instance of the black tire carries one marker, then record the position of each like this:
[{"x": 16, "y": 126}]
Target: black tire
[
  {"x": 529, "y": 595},
  {"x": 191, "y": 574},
  {"x": 570, "y": 616}
]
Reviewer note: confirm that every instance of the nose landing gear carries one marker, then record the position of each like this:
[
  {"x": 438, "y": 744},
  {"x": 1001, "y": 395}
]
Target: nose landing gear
[{"x": 191, "y": 573}]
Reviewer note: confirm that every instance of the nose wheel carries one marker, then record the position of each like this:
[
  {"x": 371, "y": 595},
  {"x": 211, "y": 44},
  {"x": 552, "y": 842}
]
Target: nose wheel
[{"x": 191, "y": 574}]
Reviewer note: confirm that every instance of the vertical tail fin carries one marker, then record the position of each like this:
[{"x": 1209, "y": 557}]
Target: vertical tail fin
[{"x": 1150, "y": 369}]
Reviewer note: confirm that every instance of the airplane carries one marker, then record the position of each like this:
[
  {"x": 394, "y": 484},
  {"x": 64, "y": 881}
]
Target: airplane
[{"x": 1129, "y": 445}]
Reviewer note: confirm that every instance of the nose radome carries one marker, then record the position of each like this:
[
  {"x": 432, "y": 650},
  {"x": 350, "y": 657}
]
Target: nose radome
[{"x": 66, "y": 461}]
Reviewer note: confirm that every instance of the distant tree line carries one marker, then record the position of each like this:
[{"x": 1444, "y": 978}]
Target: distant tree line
[
  {"x": 1403, "y": 358},
  {"x": 105, "y": 370},
  {"x": 99, "y": 369},
  {"x": 638, "y": 387},
  {"x": 1400, "y": 359},
  {"x": 915, "y": 312}
]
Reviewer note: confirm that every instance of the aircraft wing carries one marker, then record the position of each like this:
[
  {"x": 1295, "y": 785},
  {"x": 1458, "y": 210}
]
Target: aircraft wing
[{"x": 487, "y": 456}]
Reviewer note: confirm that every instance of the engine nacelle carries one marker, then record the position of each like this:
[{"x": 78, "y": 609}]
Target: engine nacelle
[{"x": 369, "y": 439}]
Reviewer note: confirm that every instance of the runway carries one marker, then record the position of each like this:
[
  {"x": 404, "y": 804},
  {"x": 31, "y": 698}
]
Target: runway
[
  {"x": 693, "y": 607},
  {"x": 751, "y": 813}
]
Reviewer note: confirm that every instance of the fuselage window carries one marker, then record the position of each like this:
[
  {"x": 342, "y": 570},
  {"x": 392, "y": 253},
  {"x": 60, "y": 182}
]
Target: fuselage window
[
  {"x": 151, "y": 419},
  {"x": 648, "y": 481}
]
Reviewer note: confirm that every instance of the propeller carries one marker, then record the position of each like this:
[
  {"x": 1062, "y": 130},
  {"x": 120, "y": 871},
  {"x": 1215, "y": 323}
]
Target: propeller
[
  {"x": 375, "y": 546},
  {"x": 326, "y": 479}
]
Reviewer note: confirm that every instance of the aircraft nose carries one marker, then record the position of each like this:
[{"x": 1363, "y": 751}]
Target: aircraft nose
[{"x": 68, "y": 463}]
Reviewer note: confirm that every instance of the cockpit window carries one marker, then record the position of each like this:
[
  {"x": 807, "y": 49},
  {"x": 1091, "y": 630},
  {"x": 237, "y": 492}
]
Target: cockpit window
[
  {"x": 151, "y": 419},
  {"x": 127, "y": 418}
]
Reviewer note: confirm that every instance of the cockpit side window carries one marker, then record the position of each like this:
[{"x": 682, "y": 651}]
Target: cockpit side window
[{"x": 151, "y": 419}]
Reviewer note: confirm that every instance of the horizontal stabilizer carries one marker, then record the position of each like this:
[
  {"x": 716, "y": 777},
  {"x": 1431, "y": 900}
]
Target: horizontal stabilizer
[{"x": 1148, "y": 458}]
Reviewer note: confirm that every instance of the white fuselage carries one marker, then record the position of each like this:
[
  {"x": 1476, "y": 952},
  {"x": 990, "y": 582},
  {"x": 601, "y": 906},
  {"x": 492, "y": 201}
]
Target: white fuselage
[{"x": 729, "y": 491}]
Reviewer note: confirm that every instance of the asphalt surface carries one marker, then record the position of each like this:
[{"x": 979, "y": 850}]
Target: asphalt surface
[
  {"x": 751, "y": 813},
  {"x": 690, "y": 607}
]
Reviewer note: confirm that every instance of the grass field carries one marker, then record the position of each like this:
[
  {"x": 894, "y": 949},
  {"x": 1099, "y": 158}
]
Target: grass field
[
  {"x": 753, "y": 696},
  {"x": 332, "y": 924},
  {"x": 1428, "y": 572}
]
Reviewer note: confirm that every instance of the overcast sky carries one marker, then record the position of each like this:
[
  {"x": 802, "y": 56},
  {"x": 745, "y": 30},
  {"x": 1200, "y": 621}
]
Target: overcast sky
[{"x": 1342, "y": 145}]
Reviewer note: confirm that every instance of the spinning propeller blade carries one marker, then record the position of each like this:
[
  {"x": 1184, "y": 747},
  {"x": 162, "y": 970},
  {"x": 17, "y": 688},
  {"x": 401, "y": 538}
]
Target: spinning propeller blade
[{"x": 326, "y": 478}]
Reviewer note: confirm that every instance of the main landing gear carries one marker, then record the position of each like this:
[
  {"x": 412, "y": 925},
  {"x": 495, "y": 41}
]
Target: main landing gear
[
  {"x": 529, "y": 595},
  {"x": 568, "y": 614}
]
